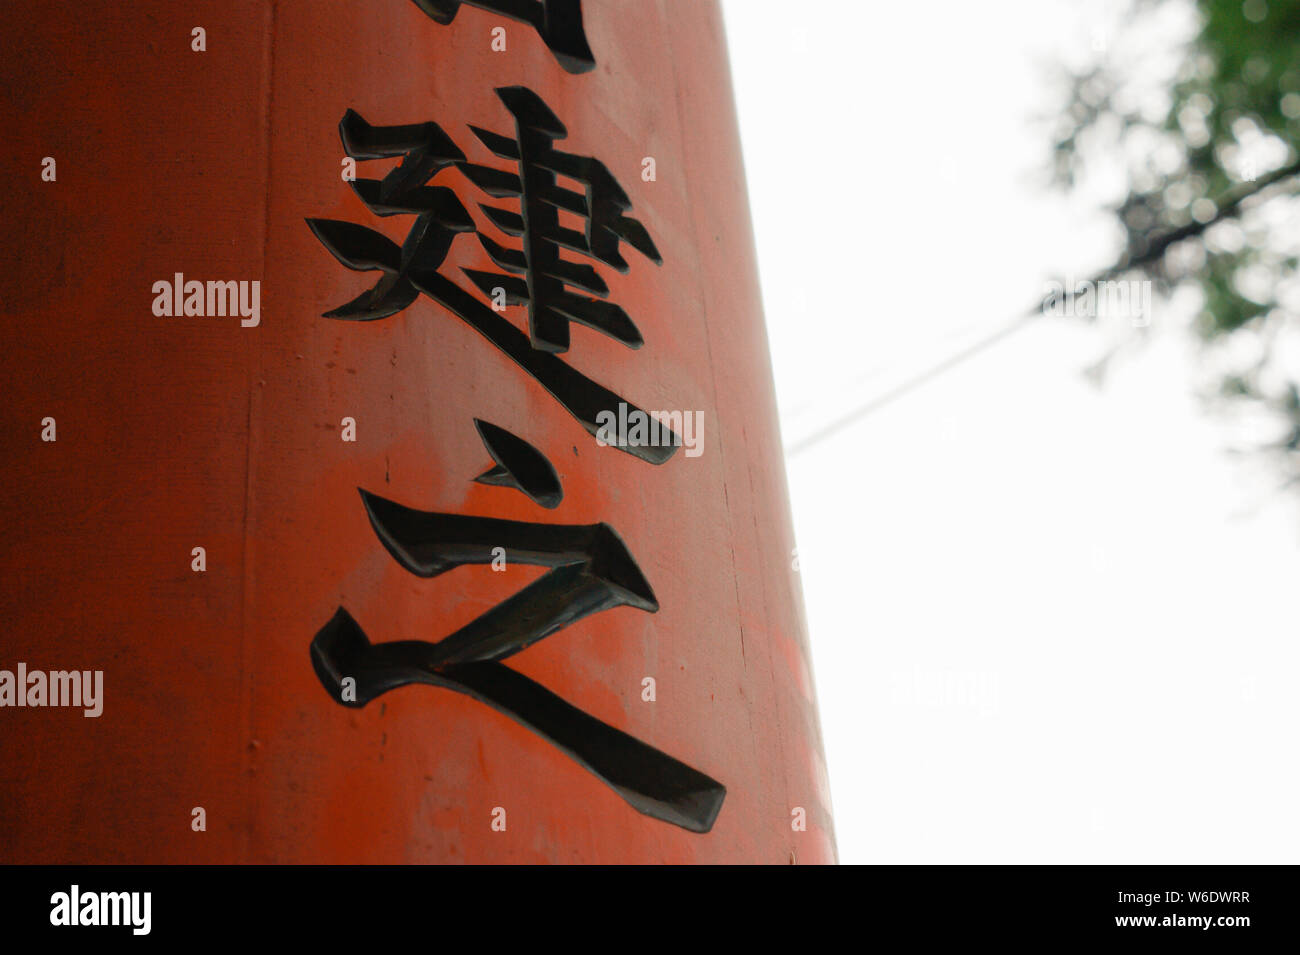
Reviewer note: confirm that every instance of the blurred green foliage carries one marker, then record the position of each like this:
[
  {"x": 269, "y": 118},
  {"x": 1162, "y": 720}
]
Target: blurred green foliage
[{"x": 1226, "y": 124}]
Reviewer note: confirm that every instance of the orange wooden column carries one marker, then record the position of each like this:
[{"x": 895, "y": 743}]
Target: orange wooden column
[{"x": 249, "y": 434}]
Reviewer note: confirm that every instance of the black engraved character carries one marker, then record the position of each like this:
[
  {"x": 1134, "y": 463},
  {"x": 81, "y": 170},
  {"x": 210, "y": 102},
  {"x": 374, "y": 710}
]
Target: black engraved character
[
  {"x": 558, "y": 21},
  {"x": 591, "y": 571},
  {"x": 413, "y": 267}
]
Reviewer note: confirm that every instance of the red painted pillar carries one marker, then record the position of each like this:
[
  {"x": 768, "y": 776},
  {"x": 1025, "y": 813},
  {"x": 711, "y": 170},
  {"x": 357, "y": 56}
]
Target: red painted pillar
[{"x": 229, "y": 433}]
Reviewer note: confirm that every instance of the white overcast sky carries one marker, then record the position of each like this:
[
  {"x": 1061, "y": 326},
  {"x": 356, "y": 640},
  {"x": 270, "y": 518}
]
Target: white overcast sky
[{"x": 1049, "y": 623}]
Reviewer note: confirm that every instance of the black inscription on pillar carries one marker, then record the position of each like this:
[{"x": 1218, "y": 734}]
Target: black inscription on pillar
[
  {"x": 519, "y": 465},
  {"x": 558, "y": 21}
]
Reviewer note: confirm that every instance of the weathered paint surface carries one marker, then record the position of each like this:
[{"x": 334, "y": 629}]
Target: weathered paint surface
[{"x": 182, "y": 432}]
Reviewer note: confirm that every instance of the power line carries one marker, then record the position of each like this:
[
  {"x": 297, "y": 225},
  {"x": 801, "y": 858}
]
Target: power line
[
  {"x": 916, "y": 381},
  {"x": 1229, "y": 204}
]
